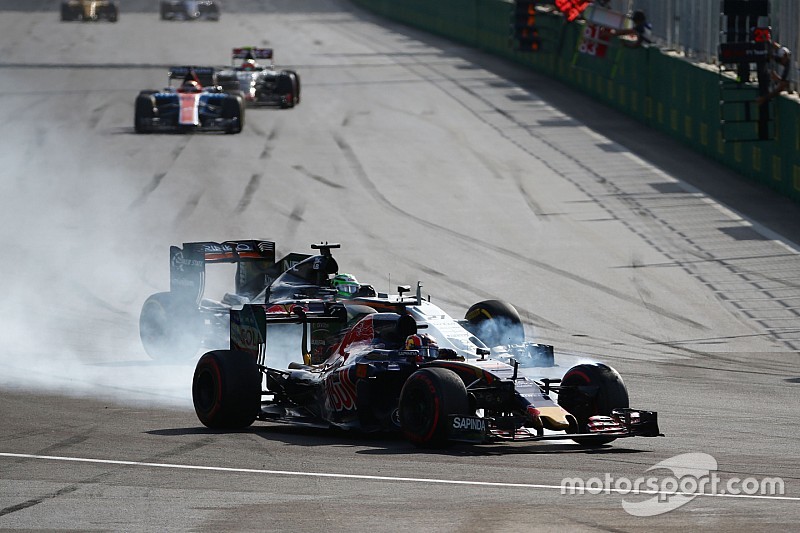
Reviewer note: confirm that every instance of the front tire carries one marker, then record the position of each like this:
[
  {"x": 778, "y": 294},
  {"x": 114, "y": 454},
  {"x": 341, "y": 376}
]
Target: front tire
[
  {"x": 233, "y": 108},
  {"x": 429, "y": 396},
  {"x": 496, "y": 323},
  {"x": 226, "y": 389},
  {"x": 589, "y": 390},
  {"x": 285, "y": 85},
  {"x": 144, "y": 113},
  {"x": 296, "y": 84}
]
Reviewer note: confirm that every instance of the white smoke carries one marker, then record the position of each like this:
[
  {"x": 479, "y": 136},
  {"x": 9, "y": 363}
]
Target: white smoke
[
  {"x": 75, "y": 267},
  {"x": 499, "y": 330}
]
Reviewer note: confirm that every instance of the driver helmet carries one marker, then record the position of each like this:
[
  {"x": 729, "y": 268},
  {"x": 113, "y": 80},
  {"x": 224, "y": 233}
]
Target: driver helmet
[
  {"x": 426, "y": 345},
  {"x": 190, "y": 86},
  {"x": 249, "y": 64},
  {"x": 346, "y": 285}
]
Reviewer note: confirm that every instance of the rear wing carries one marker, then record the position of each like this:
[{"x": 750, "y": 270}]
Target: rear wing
[
  {"x": 187, "y": 265},
  {"x": 204, "y": 75},
  {"x": 251, "y": 51},
  {"x": 256, "y": 267}
]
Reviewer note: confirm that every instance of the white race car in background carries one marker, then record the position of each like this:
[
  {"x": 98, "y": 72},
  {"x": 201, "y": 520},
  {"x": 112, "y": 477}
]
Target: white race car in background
[
  {"x": 260, "y": 84},
  {"x": 189, "y": 10}
]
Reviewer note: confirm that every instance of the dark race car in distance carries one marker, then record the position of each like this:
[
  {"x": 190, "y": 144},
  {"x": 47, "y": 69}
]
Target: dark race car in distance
[
  {"x": 189, "y": 10},
  {"x": 197, "y": 104},
  {"x": 261, "y": 84},
  {"x": 89, "y": 10}
]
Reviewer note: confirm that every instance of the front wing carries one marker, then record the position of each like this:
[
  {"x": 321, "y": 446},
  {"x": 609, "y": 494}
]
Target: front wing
[
  {"x": 621, "y": 424},
  {"x": 167, "y": 124}
]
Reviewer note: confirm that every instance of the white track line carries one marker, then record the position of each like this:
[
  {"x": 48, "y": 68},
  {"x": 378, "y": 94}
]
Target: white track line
[{"x": 610, "y": 490}]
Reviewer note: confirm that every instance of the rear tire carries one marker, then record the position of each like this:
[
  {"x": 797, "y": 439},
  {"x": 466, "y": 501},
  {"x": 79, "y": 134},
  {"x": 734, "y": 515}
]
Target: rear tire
[
  {"x": 495, "y": 323},
  {"x": 593, "y": 389},
  {"x": 427, "y": 399},
  {"x": 226, "y": 389},
  {"x": 170, "y": 329}
]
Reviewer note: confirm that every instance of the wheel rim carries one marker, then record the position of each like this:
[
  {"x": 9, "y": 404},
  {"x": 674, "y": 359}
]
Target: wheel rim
[
  {"x": 205, "y": 391},
  {"x": 417, "y": 417}
]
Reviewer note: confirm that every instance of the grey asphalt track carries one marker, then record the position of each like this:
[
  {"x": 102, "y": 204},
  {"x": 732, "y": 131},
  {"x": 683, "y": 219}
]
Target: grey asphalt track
[{"x": 428, "y": 161}]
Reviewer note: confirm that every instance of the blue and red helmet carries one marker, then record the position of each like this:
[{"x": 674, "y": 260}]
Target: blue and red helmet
[{"x": 426, "y": 345}]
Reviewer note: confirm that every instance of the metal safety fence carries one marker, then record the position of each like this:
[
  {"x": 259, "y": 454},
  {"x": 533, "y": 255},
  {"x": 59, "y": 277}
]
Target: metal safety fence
[{"x": 692, "y": 27}]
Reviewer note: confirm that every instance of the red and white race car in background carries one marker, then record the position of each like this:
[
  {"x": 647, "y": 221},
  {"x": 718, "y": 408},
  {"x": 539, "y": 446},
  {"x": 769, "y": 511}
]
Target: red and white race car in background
[{"x": 197, "y": 104}]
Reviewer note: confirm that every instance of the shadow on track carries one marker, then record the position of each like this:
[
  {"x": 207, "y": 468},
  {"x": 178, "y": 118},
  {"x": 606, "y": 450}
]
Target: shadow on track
[{"x": 393, "y": 444}]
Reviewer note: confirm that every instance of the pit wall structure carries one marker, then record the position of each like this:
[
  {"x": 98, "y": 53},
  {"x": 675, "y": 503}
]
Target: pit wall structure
[{"x": 656, "y": 87}]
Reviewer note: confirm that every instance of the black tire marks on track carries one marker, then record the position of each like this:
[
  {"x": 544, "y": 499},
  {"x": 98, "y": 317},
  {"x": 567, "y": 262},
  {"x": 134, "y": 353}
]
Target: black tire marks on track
[
  {"x": 297, "y": 213},
  {"x": 370, "y": 187},
  {"x": 189, "y": 207},
  {"x": 178, "y": 150},
  {"x": 267, "y": 151},
  {"x": 49, "y": 496},
  {"x": 158, "y": 177},
  {"x": 72, "y": 487},
  {"x": 151, "y": 186},
  {"x": 96, "y": 115},
  {"x": 65, "y": 443},
  {"x": 304, "y": 171},
  {"x": 249, "y": 192}
]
